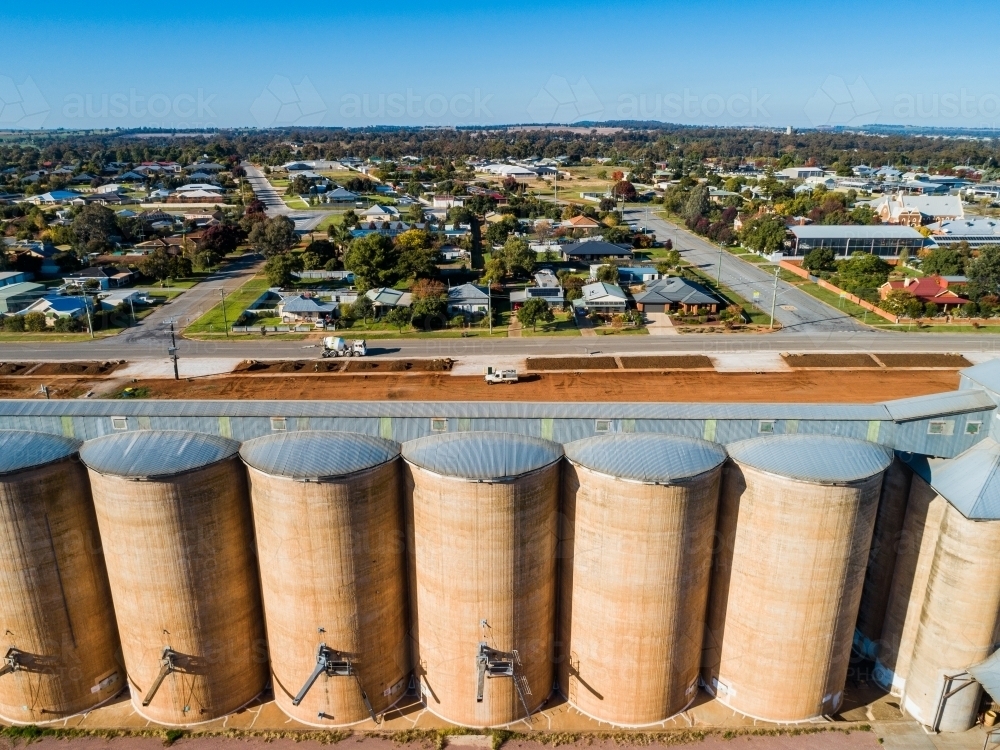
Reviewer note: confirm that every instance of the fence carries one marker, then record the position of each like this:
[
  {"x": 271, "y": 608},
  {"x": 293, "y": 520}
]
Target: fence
[
  {"x": 335, "y": 275},
  {"x": 301, "y": 328},
  {"x": 799, "y": 271}
]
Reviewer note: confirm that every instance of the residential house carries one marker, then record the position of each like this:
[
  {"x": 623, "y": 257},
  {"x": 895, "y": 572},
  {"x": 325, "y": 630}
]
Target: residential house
[
  {"x": 447, "y": 201},
  {"x": 469, "y": 299},
  {"x": 634, "y": 274},
  {"x": 800, "y": 173},
  {"x": 8, "y": 278},
  {"x": 547, "y": 287},
  {"x": 340, "y": 195},
  {"x": 15, "y": 297},
  {"x": 676, "y": 293},
  {"x": 128, "y": 297},
  {"x": 603, "y": 298},
  {"x": 584, "y": 223},
  {"x": 302, "y": 308},
  {"x": 106, "y": 278},
  {"x": 379, "y": 212},
  {"x": 384, "y": 298},
  {"x": 196, "y": 196},
  {"x": 596, "y": 250},
  {"x": 59, "y": 307},
  {"x": 937, "y": 289},
  {"x": 53, "y": 198},
  {"x": 917, "y": 210}
]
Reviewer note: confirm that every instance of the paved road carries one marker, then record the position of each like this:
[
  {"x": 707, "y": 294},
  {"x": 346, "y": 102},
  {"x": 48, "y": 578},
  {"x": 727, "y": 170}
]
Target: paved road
[
  {"x": 266, "y": 193},
  {"x": 795, "y": 310}
]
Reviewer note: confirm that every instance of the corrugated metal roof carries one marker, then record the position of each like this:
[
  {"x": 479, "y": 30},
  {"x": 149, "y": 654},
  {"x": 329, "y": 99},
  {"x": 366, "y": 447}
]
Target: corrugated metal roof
[
  {"x": 939, "y": 405},
  {"x": 987, "y": 674},
  {"x": 457, "y": 409},
  {"x": 986, "y": 374},
  {"x": 822, "y": 459},
  {"x": 21, "y": 449},
  {"x": 971, "y": 481},
  {"x": 316, "y": 454},
  {"x": 646, "y": 457},
  {"x": 148, "y": 454},
  {"x": 481, "y": 456}
]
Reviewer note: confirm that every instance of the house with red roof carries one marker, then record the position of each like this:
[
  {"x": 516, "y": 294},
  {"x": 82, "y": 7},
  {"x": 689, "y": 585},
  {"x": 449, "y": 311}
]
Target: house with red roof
[{"x": 937, "y": 289}]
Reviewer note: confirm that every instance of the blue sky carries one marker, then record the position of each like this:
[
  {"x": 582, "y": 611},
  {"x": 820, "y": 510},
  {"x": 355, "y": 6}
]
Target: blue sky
[{"x": 180, "y": 64}]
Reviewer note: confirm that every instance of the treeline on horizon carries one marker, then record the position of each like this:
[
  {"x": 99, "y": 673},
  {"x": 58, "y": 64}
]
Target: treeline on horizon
[{"x": 673, "y": 144}]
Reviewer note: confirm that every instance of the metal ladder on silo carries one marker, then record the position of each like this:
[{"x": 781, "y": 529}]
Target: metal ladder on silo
[
  {"x": 493, "y": 663},
  {"x": 168, "y": 664},
  {"x": 11, "y": 661},
  {"x": 335, "y": 664}
]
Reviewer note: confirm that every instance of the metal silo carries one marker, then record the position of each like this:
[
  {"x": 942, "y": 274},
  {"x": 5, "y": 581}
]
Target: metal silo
[
  {"x": 328, "y": 519},
  {"x": 482, "y": 533},
  {"x": 882, "y": 558},
  {"x": 795, "y": 526},
  {"x": 638, "y": 530},
  {"x": 55, "y": 607},
  {"x": 918, "y": 540},
  {"x": 178, "y": 538}
]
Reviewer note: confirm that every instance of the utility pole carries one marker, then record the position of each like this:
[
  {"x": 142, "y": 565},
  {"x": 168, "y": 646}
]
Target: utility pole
[
  {"x": 222, "y": 291},
  {"x": 90, "y": 321},
  {"x": 489, "y": 305},
  {"x": 172, "y": 351},
  {"x": 718, "y": 276},
  {"x": 774, "y": 297}
]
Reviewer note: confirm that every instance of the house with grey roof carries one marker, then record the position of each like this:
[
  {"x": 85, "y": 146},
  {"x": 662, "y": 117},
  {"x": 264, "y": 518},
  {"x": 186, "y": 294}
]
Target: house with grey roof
[
  {"x": 676, "y": 293},
  {"x": 469, "y": 299},
  {"x": 385, "y": 298},
  {"x": 603, "y": 298},
  {"x": 300, "y": 307}
]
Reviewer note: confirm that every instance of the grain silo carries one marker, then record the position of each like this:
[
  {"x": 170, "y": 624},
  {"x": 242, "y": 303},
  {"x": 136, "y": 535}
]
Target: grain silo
[
  {"x": 959, "y": 622},
  {"x": 328, "y": 519},
  {"x": 638, "y": 531},
  {"x": 176, "y": 525},
  {"x": 482, "y": 533},
  {"x": 882, "y": 558},
  {"x": 55, "y": 607},
  {"x": 795, "y": 525},
  {"x": 918, "y": 541}
]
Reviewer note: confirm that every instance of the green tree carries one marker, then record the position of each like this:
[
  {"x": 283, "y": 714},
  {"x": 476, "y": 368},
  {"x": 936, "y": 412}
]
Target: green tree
[
  {"x": 362, "y": 308},
  {"x": 496, "y": 271},
  {"x": 273, "y": 236},
  {"x": 670, "y": 260},
  {"x": 279, "y": 268},
  {"x": 697, "y": 204},
  {"x": 518, "y": 257},
  {"x": 943, "y": 261},
  {"x": 820, "y": 259},
  {"x": 156, "y": 265},
  {"x": 984, "y": 272},
  {"x": 765, "y": 234},
  {"x": 533, "y": 312},
  {"x": 399, "y": 317},
  {"x": 897, "y": 301},
  {"x": 13, "y": 324},
  {"x": 429, "y": 313},
  {"x": 608, "y": 274},
  {"x": 94, "y": 227},
  {"x": 498, "y": 231},
  {"x": 375, "y": 261},
  {"x": 863, "y": 273},
  {"x": 35, "y": 322},
  {"x": 418, "y": 256}
]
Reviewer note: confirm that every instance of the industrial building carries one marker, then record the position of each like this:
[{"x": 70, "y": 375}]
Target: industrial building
[{"x": 484, "y": 555}]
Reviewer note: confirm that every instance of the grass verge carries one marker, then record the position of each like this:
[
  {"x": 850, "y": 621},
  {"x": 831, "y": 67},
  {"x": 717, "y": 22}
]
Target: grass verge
[{"x": 236, "y": 303}]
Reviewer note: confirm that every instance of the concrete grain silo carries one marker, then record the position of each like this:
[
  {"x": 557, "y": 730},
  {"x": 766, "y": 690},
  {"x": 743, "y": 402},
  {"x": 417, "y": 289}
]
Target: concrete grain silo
[
  {"x": 59, "y": 639},
  {"x": 795, "y": 526},
  {"x": 328, "y": 519},
  {"x": 959, "y": 623},
  {"x": 882, "y": 558},
  {"x": 482, "y": 533},
  {"x": 918, "y": 541},
  {"x": 638, "y": 531},
  {"x": 177, "y": 531}
]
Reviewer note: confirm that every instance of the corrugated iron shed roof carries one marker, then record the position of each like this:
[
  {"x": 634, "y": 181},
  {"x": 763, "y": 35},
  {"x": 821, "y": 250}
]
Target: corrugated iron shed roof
[
  {"x": 481, "y": 456},
  {"x": 986, "y": 374},
  {"x": 939, "y": 405},
  {"x": 316, "y": 454},
  {"x": 149, "y": 454},
  {"x": 20, "y": 449},
  {"x": 649, "y": 457},
  {"x": 821, "y": 459},
  {"x": 970, "y": 481}
]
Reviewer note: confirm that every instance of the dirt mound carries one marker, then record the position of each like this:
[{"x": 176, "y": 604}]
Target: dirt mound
[
  {"x": 835, "y": 361},
  {"x": 15, "y": 368},
  {"x": 77, "y": 368},
  {"x": 679, "y": 362},
  {"x": 298, "y": 365},
  {"x": 399, "y": 365},
  {"x": 546, "y": 364},
  {"x": 923, "y": 360}
]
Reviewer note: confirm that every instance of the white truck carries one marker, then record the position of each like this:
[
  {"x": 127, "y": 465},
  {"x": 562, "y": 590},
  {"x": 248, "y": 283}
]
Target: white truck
[
  {"x": 496, "y": 375},
  {"x": 334, "y": 346}
]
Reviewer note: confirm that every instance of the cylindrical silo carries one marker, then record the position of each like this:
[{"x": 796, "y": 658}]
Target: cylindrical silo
[
  {"x": 59, "y": 639},
  {"x": 959, "y": 623},
  {"x": 482, "y": 533},
  {"x": 177, "y": 530},
  {"x": 917, "y": 543},
  {"x": 795, "y": 525},
  {"x": 636, "y": 556},
  {"x": 882, "y": 558},
  {"x": 329, "y": 527}
]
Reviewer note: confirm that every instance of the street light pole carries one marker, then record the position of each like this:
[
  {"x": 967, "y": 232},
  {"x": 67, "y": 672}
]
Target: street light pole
[
  {"x": 225, "y": 320},
  {"x": 489, "y": 305},
  {"x": 774, "y": 298},
  {"x": 718, "y": 276}
]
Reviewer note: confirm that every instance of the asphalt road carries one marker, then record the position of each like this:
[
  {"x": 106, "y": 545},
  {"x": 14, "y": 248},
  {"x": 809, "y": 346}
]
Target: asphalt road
[
  {"x": 795, "y": 310},
  {"x": 269, "y": 196}
]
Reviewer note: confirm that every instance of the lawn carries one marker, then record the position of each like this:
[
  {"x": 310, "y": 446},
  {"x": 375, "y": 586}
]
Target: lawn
[
  {"x": 185, "y": 283},
  {"x": 563, "y": 325},
  {"x": 835, "y": 301},
  {"x": 236, "y": 303},
  {"x": 625, "y": 331},
  {"x": 756, "y": 315}
]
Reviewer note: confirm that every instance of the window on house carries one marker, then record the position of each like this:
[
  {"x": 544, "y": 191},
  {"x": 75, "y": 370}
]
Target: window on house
[
  {"x": 279, "y": 424},
  {"x": 439, "y": 425},
  {"x": 602, "y": 425},
  {"x": 766, "y": 427},
  {"x": 973, "y": 428},
  {"x": 119, "y": 423},
  {"x": 941, "y": 427}
]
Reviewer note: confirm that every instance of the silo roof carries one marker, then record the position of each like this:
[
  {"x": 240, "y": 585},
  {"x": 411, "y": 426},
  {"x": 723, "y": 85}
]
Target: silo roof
[
  {"x": 970, "y": 481},
  {"x": 822, "y": 459},
  {"x": 481, "y": 456},
  {"x": 148, "y": 454},
  {"x": 646, "y": 457},
  {"x": 316, "y": 454},
  {"x": 22, "y": 449}
]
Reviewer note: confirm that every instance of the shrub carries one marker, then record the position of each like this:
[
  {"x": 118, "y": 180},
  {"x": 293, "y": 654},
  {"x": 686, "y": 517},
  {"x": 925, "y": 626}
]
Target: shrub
[
  {"x": 14, "y": 324},
  {"x": 35, "y": 322}
]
